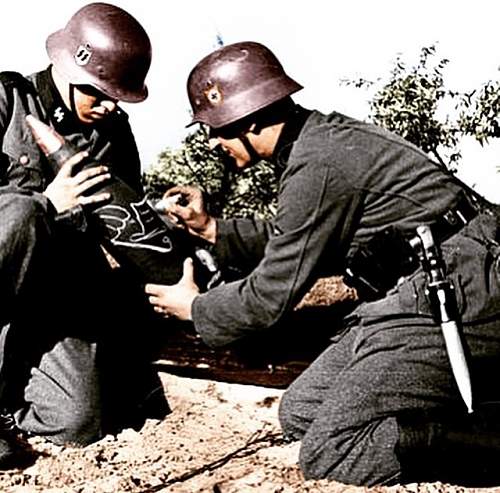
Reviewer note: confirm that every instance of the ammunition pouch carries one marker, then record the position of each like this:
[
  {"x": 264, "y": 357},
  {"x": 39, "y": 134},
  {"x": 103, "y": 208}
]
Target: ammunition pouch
[{"x": 375, "y": 267}]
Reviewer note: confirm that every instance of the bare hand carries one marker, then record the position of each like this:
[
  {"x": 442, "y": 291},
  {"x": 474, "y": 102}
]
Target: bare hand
[
  {"x": 190, "y": 212},
  {"x": 67, "y": 191},
  {"x": 175, "y": 300}
]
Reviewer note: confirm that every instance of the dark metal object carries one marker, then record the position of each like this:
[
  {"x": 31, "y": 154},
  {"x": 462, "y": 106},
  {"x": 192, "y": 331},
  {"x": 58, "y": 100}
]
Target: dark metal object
[
  {"x": 375, "y": 267},
  {"x": 138, "y": 237},
  {"x": 273, "y": 358}
]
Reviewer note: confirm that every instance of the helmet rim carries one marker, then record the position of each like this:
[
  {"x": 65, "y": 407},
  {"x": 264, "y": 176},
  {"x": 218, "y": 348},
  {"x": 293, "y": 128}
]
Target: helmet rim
[
  {"x": 106, "y": 47},
  {"x": 287, "y": 86},
  {"x": 65, "y": 63},
  {"x": 235, "y": 81}
]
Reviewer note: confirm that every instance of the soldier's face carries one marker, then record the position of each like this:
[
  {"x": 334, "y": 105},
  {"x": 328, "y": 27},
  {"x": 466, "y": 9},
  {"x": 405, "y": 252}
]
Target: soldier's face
[
  {"x": 234, "y": 149},
  {"x": 92, "y": 105},
  {"x": 229, "y": 140}
]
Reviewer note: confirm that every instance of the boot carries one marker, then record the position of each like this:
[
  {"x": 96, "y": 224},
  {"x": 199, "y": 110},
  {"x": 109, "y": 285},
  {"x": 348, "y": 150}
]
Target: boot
[
  {"x": 461, "y": 450},
  {"x": 15, "y": 451}
]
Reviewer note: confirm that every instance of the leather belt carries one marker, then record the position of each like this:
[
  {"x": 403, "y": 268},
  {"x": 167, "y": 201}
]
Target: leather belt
[
  {"x": 375, "y": 268},
  {"x": 452, "y": 221}
]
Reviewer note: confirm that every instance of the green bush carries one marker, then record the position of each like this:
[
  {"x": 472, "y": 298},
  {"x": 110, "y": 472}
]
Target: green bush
[
  {"x": 228, "y": 193},
  {"x": 410, "y": 102}
]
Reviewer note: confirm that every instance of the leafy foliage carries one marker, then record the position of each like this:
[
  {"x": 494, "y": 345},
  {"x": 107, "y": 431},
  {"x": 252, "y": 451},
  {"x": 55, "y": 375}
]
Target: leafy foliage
[
  {"x": 480, "y": 112},
  {"x": 228, "y": 193},
  {"x": 411, "y": 101}
]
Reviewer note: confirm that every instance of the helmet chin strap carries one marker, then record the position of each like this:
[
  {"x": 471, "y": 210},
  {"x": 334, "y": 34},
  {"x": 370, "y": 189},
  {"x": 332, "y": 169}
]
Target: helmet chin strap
[
  {"x": 72, "y": 102},
  {"x": 254, "y": 156}
]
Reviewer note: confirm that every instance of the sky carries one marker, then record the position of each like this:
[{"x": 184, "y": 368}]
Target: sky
[{"x": 319, "y": 42}]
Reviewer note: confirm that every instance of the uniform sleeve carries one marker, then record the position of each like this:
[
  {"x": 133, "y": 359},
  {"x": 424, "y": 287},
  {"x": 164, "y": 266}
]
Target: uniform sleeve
[
  {"x": 240, "y": 245},
  {"x": 25, "y": 169},
  {"x": 4, "y": 110},
  {"x": 315, "y": 211},
  {"x": 8, "y": 185},
  {"x": 4, "y": 121}
]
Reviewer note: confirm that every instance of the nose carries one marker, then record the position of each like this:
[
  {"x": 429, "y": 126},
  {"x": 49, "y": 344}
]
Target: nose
[
  {"x": 213, "y": 142},
  {"x": 108, "y": 104}
]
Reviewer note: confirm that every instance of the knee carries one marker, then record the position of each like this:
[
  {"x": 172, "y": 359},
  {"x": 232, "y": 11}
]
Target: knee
[
  {"x": 312, "y": 461},
  {"x": 321, "y": 458},
  {"x": 22, "y": 217},
  {"x": 18, "y": 205},
  {"x": 67, "y": 422},
  {"x": 362, "y": 456},
  {"x": 28, "y": 213},
  {"x": 77, "y": 425},
  {"x": 290, "y": 422}
]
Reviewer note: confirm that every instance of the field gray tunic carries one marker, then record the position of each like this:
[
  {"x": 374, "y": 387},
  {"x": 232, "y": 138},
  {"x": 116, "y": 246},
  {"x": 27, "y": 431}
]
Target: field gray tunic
[
  {"x": 343, "y": 181},
  {"x": 68, "y": 322}
]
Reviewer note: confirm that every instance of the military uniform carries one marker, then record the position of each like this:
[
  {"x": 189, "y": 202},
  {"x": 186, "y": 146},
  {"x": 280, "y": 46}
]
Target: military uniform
[
  {"x": 70, "y": 332},
  {"x": 343, "y": 183}
]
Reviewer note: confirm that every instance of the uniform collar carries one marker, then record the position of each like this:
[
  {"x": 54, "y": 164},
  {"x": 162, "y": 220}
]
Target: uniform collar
[
  {"x": 62, "y": 118},
  {"x": 291, "y": 130}
]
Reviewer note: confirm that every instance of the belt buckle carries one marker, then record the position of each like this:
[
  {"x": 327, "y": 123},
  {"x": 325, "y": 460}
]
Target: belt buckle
[{"x": 454, "y": 216}]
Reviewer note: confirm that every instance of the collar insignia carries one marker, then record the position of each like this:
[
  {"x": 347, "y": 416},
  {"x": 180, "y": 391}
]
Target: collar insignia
[{"x": 59, "y": 114}]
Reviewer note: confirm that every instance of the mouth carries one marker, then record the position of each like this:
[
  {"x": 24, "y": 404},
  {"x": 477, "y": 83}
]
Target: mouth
[
  {"x": 97, "y": 114},
  {"x": 224, "y": 156}
]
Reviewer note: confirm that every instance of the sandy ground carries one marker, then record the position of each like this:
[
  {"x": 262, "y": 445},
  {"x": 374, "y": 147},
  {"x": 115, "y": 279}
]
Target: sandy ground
[{"x": 220, "y": 438}]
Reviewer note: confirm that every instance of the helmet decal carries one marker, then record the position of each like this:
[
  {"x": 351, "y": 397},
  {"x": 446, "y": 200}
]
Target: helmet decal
[
  {"x": 83, "y": 55},
  {"x": 235, "y": 81},
  {"x": 214, "y": 95},
  {"x": 103, "y": 46}
]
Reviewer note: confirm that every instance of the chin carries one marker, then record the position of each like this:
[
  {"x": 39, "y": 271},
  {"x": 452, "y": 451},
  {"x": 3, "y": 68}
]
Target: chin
[
  {"x": 89, "y": 120},
  {"x": 245, "y": 163}
]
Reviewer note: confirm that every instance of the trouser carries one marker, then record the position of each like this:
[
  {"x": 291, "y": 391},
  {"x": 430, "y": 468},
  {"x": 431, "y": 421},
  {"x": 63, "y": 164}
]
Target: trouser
[
  {"x": 390, "y": 367},
  {"x": 74, "y": 357}
]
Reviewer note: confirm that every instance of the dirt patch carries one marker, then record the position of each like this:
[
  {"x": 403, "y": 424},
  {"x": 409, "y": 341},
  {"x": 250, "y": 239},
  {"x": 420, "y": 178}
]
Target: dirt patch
[{"x": 220, "y": 438}]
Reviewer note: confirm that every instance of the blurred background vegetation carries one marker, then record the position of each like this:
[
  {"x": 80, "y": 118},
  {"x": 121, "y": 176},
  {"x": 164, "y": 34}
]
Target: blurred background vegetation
[{"x": 228, "y": 192}]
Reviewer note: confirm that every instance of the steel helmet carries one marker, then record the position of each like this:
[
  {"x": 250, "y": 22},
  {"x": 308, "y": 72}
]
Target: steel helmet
[
  {"x": 105, "y": 47},
  {"x": 235, "y": 81}
]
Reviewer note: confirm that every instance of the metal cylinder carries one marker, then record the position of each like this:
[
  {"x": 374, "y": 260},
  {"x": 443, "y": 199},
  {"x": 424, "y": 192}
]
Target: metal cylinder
[{"x": 142, "y": 240}]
